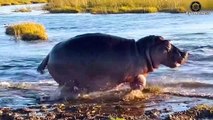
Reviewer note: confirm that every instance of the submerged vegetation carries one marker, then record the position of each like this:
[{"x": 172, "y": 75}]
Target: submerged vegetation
[
  {"x": 27, "y": 31},
  {"x": 198, "y": 112},
  {"x": 153, "y": 89},
  {"x": 19, "y": 2},
  {"x": 146, "y": 93},
  {"x": 122, "y": 6}
]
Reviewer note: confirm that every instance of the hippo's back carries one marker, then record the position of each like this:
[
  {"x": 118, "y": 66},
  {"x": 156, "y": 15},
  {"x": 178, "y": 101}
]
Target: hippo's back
[
  {"x": 93, "y": 46},
  {"x": 97, "y": 42}
]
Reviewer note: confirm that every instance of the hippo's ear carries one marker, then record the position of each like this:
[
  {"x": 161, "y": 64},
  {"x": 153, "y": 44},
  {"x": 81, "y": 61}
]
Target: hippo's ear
[
  {"x": 159, "y": 39},
  {"x": 167, "y": 42}
]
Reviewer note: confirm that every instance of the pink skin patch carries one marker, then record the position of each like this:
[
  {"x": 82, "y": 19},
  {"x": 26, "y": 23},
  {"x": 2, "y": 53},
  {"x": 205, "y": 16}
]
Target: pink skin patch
[
  {"x": 177, "y": 64},
  {"x": 138, "y": 83}
]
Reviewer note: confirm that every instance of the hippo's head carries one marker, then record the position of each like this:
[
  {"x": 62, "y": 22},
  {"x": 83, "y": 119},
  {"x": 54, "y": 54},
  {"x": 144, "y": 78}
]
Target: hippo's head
[{"x": 159, "y": 51}]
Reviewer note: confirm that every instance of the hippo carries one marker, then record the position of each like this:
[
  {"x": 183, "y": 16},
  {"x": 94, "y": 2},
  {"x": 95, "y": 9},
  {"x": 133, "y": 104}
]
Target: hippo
[{"x": 96, "y": 62}]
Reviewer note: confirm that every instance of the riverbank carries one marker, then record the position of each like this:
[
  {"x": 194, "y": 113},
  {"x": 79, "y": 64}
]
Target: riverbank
[
  {"x": 20, "y": 2},
  {"x": 35, "y": 9},
  {"x": 152, "y": 103},
  {"x": 161, "y": 106}
]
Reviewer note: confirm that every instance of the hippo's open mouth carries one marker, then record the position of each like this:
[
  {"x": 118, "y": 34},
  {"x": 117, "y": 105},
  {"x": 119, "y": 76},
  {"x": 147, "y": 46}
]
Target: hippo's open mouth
[{"x": 177, "y": 64}]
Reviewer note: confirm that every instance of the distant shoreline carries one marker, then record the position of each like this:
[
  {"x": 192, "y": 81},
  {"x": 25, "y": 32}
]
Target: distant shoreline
[
  {"x": 16, "y": 2},
  {"x": 123, "y": 6},
  {"x": 113, "y": 6}
]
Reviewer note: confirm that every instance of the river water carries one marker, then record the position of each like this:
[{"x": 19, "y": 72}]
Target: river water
[{"x": 20, "y": 84}]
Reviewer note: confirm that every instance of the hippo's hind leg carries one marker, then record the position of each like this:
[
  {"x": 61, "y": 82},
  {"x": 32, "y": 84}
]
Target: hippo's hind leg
[
  {"x": 68, "y": 93},
  {"x": 138, "y": 82},
  {"x": 71, "y": 90}
]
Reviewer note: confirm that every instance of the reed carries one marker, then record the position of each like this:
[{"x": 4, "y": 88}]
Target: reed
[{"x": 123, "y": 6}]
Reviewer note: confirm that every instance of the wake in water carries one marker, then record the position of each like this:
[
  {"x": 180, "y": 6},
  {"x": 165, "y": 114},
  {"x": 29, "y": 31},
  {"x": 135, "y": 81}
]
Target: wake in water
[
  {"x": 21, "y": 94},
  {"x": 188, "y": 88},
  {"x": 48, "y": 90},
  {"x": 120, "y": 92}
]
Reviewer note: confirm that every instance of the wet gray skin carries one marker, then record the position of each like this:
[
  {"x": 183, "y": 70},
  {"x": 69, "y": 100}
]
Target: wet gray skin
[{"x": 94, "y": 62}]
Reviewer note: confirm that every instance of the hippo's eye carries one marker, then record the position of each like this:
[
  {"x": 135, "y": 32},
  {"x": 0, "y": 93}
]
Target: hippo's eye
[{"x": 166, "y": 49}]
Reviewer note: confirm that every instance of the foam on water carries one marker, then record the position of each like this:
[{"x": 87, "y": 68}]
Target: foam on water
[
  {"x": 28, "y": 85},
  {"x": 22, "y": 94}
]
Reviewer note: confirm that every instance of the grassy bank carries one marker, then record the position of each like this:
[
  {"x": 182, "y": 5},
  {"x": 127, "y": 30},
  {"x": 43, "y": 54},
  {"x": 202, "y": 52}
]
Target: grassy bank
[
  {"x": 27, "y": 31},
  {"x": 122, "y": 6},
  {"x": 19, "y": 2}
]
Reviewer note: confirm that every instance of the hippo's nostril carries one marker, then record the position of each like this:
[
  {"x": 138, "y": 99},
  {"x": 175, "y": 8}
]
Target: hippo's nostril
[{"x": 184, "y": 54}]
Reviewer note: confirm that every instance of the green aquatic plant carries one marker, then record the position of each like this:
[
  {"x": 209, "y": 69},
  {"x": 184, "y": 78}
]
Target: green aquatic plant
[
  {"x": 201, "y": 111},
  {"x": 202, "y": 107},
  {"x": 27, "y": 31},
  {"x": 116, "y": 118}
]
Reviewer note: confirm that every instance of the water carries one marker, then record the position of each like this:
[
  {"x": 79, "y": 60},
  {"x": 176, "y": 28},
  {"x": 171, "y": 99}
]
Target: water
[{"x": 20, "y": 84}]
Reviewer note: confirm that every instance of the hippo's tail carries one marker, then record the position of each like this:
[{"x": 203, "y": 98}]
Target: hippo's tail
[{"x": 43, "y": 65}]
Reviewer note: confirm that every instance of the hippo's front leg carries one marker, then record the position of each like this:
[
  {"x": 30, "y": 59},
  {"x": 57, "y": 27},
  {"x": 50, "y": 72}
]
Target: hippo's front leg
[{"x": 139, "y": 82}]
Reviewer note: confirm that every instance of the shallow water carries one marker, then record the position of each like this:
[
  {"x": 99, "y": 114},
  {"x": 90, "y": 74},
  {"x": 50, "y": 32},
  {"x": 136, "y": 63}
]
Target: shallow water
[{"x": 20, "y": 84}]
